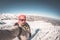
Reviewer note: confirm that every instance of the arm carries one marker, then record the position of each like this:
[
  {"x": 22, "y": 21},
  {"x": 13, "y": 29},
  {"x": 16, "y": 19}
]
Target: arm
[
  {"x": 14, "y": 30},
  {"x": 8, "y": 34}
]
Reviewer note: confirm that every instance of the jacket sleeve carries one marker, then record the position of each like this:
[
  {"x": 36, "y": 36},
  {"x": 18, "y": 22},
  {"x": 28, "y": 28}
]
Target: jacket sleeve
[{"x": 9, "y": 33}]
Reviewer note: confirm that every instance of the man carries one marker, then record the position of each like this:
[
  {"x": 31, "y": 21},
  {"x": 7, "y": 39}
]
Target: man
[
  {"x": 25, "y": 31},
  {"x": 20, "y": 29}
]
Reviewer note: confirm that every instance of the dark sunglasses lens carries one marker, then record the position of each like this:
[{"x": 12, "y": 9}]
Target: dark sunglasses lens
[{"x": 22, "y": 19}]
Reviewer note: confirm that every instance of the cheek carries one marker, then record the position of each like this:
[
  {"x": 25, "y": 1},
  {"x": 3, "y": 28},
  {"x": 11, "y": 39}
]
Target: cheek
[{"x": 19, "y": 21}]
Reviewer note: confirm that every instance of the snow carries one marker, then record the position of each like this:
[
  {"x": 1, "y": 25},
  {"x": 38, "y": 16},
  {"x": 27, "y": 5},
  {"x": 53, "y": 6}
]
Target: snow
[
  {"x": 47, "y": 31},
  {"x": 43, "y": 30}
]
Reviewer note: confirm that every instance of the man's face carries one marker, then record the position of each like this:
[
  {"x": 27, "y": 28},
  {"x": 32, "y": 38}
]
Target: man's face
[{"x": 22, "y": 20}]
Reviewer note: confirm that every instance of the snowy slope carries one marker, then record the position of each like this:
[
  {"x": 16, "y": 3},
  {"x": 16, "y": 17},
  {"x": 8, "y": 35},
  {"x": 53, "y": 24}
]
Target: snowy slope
[{"x": 40, "y": 30}]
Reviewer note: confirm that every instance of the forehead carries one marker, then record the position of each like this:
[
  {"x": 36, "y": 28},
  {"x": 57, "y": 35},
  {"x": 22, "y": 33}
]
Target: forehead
[{"x": 22, "y": 17}]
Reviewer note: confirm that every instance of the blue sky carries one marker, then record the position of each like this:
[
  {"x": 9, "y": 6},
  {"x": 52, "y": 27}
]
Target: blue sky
[{"x": 47, "y": 8}]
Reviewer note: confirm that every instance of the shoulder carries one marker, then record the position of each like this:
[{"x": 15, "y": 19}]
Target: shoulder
[
  {"x": 16, "y": 24},
  {"x": 27, "y": 24}
]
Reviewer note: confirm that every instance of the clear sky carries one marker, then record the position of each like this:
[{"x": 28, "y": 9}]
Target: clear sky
[{"x": 48, "y": 7}]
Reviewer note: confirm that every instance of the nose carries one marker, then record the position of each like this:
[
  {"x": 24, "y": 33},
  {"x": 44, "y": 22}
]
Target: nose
[{"x": 23, "y": 21}]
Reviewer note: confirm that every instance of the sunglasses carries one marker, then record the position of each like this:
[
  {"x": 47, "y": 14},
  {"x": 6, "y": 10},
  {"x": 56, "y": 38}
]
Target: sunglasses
[{"x": 22, "y": 19}]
